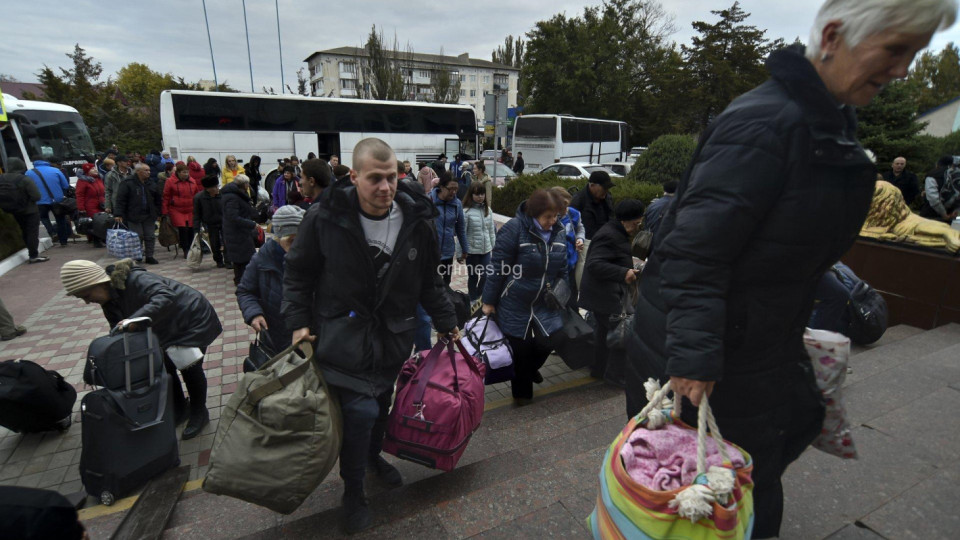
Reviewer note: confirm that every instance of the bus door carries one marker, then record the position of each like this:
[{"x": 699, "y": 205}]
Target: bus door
[
  {"x": 451, "y": 147},
  {"x": 328, "y": 144},
  {"x": 305, "y": 143}
]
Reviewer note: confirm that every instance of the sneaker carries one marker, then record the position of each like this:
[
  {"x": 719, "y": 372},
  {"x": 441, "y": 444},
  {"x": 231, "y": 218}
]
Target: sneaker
[
  {"x": 39, "y": 259},
  {"x": 356, "y": 512},
  {"x": 385, "y": 471},
  {"x": 151, "y": 260},
  {"x": 195, "y": 424}
]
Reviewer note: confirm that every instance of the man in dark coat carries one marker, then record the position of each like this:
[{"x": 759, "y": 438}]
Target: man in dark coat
[
  {"x": 594, "y": 203},
  {"x": 208, "y": 212},
  {"x": 138, "y": 206},
  {"x": 239, "y": 226},
  {"x": 608, "y": 276},
  {"x": 24, "y": 196},
  {"x": 181, "y": 317},
  {"x": 654, "y": 214},
  {"x": 776, "y": 193},
  {"x": 905, "y": 180},
  {"x": 941, "y": 194},
  {"x": 363, "y": 258},
  {"x": 518, "y": 164}
]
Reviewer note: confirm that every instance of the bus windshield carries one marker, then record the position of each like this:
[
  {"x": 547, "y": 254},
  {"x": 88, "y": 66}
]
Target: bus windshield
[
  {"x": 536, "y": 127},
  {"x": 55, "y": 134}
]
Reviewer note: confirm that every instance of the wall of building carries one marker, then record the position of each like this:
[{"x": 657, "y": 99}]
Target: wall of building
[
  {"x": 942, "y": 121},
  {"x": 326, "y": 80}
]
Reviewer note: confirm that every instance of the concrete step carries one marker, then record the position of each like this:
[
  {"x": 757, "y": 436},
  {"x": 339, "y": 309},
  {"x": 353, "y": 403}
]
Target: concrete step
[
  {"x": 892, "y": 335},
  {"x": 534, "y": 464},
  {"x": 878, "y": 359}
]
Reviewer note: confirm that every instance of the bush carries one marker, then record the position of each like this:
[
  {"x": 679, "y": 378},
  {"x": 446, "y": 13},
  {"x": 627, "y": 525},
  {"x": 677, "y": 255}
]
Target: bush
[
  {"x": 665, "y": 159},
  {"x": 507, "y": 199},
  {"x": 10, "y": 239}
]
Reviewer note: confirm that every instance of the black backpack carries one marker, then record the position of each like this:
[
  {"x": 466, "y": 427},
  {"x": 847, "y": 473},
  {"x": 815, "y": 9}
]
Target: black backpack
[
  {"x": 13, "y": 198},
  {"x": 867, "y": 309}
]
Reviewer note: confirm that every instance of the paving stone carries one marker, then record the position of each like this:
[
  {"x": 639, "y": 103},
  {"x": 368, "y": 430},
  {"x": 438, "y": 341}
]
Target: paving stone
[
  {"x": 927, "y": 510},
  {"x": 877, "y": 360},
  {"x": 839, "y": 491},
  {"x": 30, "y": 480},
  {"x": 935, "y": 433},
  {"x": 11, "y": 471},
  {"x": 60, "y": 459},
  {"x": 52, "y": 477},
  {"x": 853, "y": 532},
  {"x": 875, "y": 396}
]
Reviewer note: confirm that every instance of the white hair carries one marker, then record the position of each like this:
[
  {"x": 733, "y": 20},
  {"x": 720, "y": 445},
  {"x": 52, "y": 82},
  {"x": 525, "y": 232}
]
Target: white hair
[
  {"x": 139, "y": 166},
  {"x": 863, "y": 18},
  {"x": 242, "y": 179}
]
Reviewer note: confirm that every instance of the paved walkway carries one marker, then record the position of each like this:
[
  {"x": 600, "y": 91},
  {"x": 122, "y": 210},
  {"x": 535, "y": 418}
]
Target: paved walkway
[{"x": 60, "y": 329}]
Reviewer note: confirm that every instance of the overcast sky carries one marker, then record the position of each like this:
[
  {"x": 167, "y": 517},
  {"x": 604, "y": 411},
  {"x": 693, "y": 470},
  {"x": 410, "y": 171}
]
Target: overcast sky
[{"x": 170, "y": 35}]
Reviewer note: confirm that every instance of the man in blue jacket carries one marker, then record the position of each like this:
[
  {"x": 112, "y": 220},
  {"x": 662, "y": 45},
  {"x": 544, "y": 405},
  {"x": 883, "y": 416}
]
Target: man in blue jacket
[
  {"x": 450, "y": 223},
  {"x": 52, "y": 184}
]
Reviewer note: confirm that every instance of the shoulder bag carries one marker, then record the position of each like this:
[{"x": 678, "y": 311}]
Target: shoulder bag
[{"x": 65, "y": 206}]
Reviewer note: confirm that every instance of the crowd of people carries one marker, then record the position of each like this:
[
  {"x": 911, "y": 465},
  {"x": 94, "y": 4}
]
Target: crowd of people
[{"x": 361, "y": 258}]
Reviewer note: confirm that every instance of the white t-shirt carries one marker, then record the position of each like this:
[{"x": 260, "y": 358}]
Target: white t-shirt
[{"x": 381, "y": 234}]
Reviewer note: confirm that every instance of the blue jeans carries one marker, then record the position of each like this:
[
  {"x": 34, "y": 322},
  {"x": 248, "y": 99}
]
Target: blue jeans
[
  {"x": 421, "y": 339},
  {"x": 63, "y": 227},
  {"x": 364, "y": 425},
  {"x": 477, "y": 274}
]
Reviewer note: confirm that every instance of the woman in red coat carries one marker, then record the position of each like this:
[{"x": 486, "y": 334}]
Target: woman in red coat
[
  {"x": 178, "y": 195},
  {"x": 196, "y": 171},
  {"x": 90, "y": 196}
]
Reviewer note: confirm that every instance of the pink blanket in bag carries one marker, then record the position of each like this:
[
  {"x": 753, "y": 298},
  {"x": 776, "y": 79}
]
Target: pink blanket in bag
[{"x": 665, "y": 459}]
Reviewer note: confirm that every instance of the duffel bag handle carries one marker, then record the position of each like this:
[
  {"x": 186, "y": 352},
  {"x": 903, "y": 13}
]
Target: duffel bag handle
[{"x": 255, "y": 396}]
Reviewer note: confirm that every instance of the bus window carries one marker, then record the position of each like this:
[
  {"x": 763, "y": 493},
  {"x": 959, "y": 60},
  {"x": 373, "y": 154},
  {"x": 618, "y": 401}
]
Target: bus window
[{"x": 536, "y": 127}]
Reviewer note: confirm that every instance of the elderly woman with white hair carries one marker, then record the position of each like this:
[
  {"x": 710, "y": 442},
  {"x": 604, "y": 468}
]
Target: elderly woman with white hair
[{"x": 776, "y": 193}]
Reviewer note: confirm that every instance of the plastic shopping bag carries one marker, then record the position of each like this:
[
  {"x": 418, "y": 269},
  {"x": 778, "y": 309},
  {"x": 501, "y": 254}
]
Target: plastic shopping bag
[{"x": 830, "y": 353}]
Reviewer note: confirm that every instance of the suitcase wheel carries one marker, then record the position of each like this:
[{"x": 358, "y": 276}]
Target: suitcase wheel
[{"x": 107, "y": 498}]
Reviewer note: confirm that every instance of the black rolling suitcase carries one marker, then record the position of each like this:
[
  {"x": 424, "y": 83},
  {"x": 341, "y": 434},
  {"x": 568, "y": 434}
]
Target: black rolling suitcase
[
  {"x": 34, "y": 399},
  {"x": 110, "y": 357},
  {"x": 129, "y": 435},
  {"x": 101, "y": 222}
]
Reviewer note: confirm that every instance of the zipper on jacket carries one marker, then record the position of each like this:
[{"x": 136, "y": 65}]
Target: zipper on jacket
[{"x": 543, "y": 280}]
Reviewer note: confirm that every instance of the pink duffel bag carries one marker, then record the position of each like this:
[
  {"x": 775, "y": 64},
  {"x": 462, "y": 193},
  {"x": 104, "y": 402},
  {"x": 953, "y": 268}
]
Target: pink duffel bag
[{"x": 438, "y": 406}]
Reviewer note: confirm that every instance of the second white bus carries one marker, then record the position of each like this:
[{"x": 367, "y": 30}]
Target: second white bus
[{"x": 548, "y": 138}]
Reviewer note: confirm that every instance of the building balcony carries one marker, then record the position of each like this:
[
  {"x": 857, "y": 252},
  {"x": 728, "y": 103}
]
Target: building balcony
[
  {"x": 348, "y": 92},
  {"x": 348, "y": 75}
]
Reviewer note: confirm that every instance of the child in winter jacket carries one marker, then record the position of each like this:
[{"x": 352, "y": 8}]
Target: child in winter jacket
[{"x": 481, "y": 235}]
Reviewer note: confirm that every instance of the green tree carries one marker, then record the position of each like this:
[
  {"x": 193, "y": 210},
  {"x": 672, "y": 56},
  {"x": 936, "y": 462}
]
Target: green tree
[
  {"x": 510, "y": 53},
  {"x": 301, "y": 84},
  {"x": 665, "y": 159},
  {"x": 724, "y": 61},
  {"x": 600, "y": 64},
  {"x": 382, "y": 73},
  {"x": 888, "y": 126},
  {"x": 445, "y": 84},
  {"x": 937, "y": 77}
]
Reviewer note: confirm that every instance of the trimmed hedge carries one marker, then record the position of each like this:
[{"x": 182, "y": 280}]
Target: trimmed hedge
[
  {"x": 665, "y": 159},
  {"x": 508, "y": 198},
  {"x": 10, "y": 239}
]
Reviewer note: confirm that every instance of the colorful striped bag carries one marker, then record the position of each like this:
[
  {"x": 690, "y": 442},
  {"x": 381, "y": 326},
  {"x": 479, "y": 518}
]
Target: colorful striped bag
[{"x": 719, "y": 504}]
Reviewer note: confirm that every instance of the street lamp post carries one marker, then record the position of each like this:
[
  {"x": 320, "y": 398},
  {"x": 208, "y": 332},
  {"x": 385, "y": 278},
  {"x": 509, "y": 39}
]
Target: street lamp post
[
  {"x": 280, "y": 43},
  {"x": 216, "y": 84},
  {"x": 247, "y": 32}
]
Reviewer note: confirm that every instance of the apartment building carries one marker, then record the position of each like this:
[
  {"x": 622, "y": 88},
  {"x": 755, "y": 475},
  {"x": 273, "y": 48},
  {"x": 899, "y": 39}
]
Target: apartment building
[{"x": 338, "y": 73}]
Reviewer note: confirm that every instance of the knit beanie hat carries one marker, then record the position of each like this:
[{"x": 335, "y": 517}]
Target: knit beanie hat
[
  {"x": 286, "y": 220},
  {"x": 629, "y": 210},
  {"x": 87, "y": 167},
  {"x": 79, "y": 275},
  {"x": 16, "y": 165},
  {"x": 209, "y": 181}
]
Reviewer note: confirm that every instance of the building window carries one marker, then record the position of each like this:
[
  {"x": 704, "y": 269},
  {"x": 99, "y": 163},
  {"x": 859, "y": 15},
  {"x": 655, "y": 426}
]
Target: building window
[
  {"x": 473, "y": 78},
  {"x": 348, "y": 67},
  {"x": 473, "y": 93},
  {"x": 486, "y": 79},
  {"x": 463, "y": 93},
  {"x": 425, "y": 74},
  {"x": 463, "y": 78},
  {"x": 348, "y": 84}
]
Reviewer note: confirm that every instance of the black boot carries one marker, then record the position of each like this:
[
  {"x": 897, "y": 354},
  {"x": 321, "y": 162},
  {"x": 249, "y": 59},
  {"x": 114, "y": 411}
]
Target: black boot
[
  {"x": 385, "y": 471},
  {"x": 198, "y": 420},
  {"x": 356, "y": 511}
]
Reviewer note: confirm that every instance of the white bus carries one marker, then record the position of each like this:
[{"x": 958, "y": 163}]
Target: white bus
[
  {"x": 216, "y": 124},
  {"x": 45, "y": 130},
  {"x": 548, "y": 138}
]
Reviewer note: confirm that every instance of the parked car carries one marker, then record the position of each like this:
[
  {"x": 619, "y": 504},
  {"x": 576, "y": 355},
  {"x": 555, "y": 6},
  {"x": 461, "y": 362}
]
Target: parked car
[
  {"x": 504, "y": 173},
  {"x": 488, "y": 155},
  {"x": 637, "y": 150},
  {"x": 619, "y": 167},
  {"x": 576, "y": 169}
]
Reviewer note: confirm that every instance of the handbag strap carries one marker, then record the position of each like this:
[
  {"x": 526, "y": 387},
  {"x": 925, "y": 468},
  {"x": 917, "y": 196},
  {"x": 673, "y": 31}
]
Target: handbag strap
[
  {"x": 45, "y": 186},
  {"x": 275, "y": 385}
]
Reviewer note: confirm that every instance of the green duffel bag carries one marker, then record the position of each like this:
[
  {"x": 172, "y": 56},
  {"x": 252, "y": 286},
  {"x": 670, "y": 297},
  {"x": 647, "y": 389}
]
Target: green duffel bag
[{"x": 279, "y": 435}]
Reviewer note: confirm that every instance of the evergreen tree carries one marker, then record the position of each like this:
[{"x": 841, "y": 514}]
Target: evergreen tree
[
  {"x": 888, "y": 126},
  {"x": 444, "y": 83},
  {"x": 724, "y": 61},
  {"x": 937, "y": 77},
  {"x": 382, "y": 72}
]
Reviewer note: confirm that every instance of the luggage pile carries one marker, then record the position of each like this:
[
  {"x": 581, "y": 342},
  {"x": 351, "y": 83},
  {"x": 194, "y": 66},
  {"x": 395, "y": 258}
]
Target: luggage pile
[
  {"x": 33, "y": 399},
  {"x": 129, "y": 432}
]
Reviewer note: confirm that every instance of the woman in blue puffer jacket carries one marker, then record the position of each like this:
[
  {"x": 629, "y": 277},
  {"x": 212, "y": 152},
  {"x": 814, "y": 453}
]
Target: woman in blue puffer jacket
[
  {"x": 530, "y": 256},
  {"x": 450, "y": 223}
]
